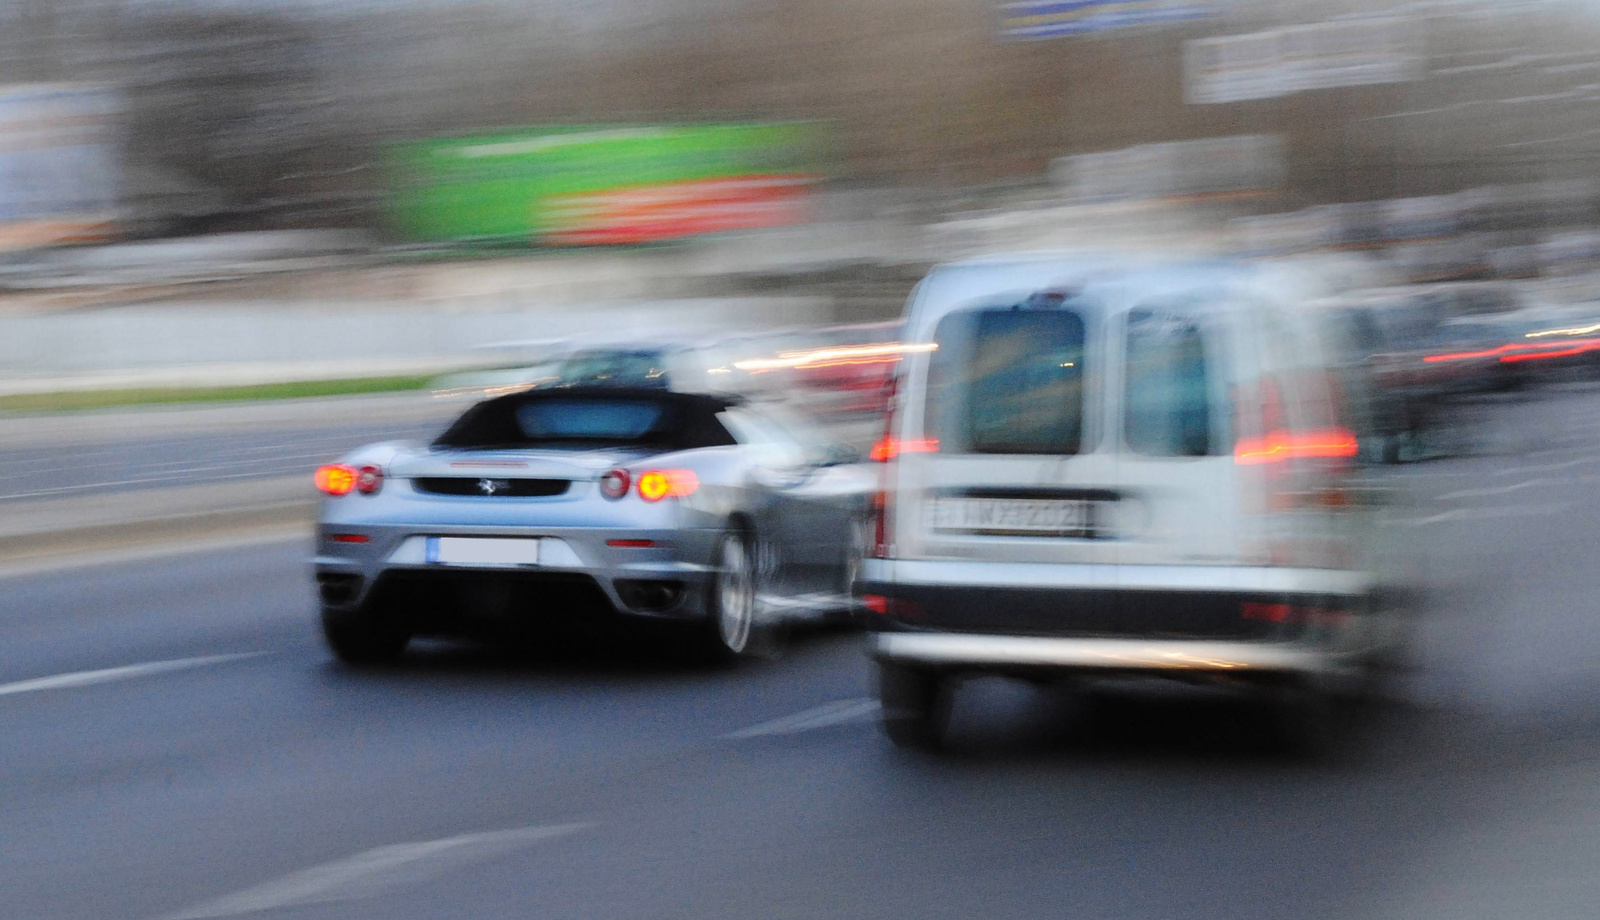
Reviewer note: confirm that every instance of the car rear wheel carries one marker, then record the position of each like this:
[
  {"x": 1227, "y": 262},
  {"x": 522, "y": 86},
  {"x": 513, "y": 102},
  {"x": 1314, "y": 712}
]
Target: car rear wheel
[
  {"x": 362, "y": 635},
  {"x": 916, "y": 706},
  {"x": 732, "y": 602}
]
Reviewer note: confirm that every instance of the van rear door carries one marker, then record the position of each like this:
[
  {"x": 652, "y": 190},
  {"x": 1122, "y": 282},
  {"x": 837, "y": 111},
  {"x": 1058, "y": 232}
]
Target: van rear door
[
  {"x": 998, "y": 472},
  {"x": 1174, "y": 551},
  {"x": 1173, "y": 447}
]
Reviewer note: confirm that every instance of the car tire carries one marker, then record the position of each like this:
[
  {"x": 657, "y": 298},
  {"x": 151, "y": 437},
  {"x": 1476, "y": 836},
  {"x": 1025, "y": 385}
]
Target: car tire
[
  {"x": 915, "y": 706},
  {"x": 731, "y": 628},
  {"x": 852, "y": 614},
  {"x": 362, "y": 635}
]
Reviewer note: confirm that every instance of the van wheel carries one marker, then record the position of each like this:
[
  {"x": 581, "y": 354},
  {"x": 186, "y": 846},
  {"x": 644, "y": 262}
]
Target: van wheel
[
  {"x": 1310, "y": 721},
  {"x": 916, "y": 706},
  {"x": 363, "y": 635}
]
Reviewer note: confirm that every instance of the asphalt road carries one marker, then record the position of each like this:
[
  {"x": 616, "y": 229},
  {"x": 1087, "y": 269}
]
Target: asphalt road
[
  {"x": 59, "y": 471},
  {"x": 174, "y": 742}
]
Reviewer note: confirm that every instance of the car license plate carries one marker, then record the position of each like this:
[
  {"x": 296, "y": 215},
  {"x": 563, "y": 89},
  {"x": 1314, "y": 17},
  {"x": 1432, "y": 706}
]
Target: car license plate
[
  {"x": 1030, "y": 517},
  {"x": 483, "y": 550}
]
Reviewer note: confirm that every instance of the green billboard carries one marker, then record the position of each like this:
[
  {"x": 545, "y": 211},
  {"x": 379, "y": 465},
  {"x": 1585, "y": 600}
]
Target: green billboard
[{"x": 597, "y": 184}]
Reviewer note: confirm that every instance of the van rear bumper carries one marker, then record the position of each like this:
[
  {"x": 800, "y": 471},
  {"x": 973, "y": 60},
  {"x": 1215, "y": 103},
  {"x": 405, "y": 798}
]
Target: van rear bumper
[
  {"x": 1091, "y": 602},
  {"x": 957, "y": 651}
]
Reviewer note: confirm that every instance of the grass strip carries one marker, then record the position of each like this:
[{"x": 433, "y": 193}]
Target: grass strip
[{"x": 76, "y": 400}]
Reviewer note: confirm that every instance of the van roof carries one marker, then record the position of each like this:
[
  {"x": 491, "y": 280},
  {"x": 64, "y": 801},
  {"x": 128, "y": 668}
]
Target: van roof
[{"x": 956, "y": 284}]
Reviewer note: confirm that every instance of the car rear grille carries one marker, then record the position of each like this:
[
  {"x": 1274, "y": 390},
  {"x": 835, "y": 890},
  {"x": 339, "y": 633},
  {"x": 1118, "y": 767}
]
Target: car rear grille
[{"x": 491, "y": 486}]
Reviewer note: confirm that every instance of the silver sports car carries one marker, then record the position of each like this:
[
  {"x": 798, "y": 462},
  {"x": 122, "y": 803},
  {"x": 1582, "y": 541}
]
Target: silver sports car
[{"x": 589, "y": 501}]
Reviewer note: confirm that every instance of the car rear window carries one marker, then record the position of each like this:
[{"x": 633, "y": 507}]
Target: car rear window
[
  {"x": 629, "y": 419},
  {"x": 616, "y": 368},
  {"x": 589, "y": 419},
  {"x": 1007, "y": 380},
  {"x": 1167, "y": 392}
]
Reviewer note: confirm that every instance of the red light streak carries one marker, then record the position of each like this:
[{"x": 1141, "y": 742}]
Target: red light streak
[
  {"x": 1592, "y": 344},
  {"x": 1287, "y": 445},
  {"x": 1517, "y": 351}
]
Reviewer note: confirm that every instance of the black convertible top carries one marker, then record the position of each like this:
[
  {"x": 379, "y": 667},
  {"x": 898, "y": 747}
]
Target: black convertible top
[{"x": 590, "y": 417}]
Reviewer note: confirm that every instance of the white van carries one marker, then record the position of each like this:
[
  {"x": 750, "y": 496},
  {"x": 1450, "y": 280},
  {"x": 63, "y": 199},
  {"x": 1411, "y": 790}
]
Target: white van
[{"x": 1117, "y": 468}]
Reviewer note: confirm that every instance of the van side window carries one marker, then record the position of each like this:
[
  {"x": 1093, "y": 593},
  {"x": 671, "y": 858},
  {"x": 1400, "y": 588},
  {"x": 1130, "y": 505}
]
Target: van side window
[
  {"x": 1007, "y": 381},
  {"x": 1167, "y": 396}
]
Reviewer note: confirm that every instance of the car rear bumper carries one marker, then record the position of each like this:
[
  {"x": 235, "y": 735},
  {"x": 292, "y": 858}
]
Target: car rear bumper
[{"x": 588, "y": 569}]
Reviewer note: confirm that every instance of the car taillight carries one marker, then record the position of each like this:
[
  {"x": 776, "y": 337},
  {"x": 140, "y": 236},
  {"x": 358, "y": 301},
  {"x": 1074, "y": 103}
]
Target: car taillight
[
  {"x": 654, "y": 485},
  {"x": 341, "y": 479},
  {"x": 335, "y": 479},
  {"x": 614, "y": 484},
  {"x": 369, "y": 479}
]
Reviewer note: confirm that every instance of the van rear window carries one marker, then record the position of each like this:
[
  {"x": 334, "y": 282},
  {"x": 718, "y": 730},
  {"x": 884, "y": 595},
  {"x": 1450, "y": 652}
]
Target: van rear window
[
  {"x": 1166, "y": 399},
  {"x": 1007, "y": 381}
]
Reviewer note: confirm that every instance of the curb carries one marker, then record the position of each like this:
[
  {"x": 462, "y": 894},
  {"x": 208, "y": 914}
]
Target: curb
[{"x": 45, "y": 545}]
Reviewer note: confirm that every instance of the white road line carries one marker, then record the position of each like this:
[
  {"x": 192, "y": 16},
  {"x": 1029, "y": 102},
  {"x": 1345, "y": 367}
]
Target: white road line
[
  {"x": 1480, "y": 514},
  {"x": 1546, "y": 468},
  {"x": 838, "y": 712},
  {"x": 373, "y": 872},
  {"x": 62, "y": 490},
  {"x": 109, "y": 675},
  {"x": 1502, "y": 490}
]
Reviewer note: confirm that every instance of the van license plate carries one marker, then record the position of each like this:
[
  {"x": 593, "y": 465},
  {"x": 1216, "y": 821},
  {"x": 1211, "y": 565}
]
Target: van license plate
[{"x": 1030, "y": 517}]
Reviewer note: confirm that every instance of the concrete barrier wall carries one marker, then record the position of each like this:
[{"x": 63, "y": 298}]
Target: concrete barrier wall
[{"x": 37, "y": 350}]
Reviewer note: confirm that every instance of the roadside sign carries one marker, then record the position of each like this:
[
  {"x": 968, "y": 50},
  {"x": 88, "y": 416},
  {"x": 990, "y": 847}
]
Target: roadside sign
[
  {"x": 586, "y": 185},
  {"x": 1322, "y": 55},
  {"x": 60, "y": 159}
]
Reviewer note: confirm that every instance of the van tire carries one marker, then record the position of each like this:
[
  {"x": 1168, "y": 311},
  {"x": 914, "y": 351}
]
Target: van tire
[
  {"x": 1310, "y": 721},
  {"x": 915, "y": 706}
]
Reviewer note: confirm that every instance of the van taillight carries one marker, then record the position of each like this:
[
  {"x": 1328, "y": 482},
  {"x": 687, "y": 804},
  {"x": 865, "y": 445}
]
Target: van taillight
[
  {"x": 1279, "y": 446},
  {"x": 883, "y": 452},
  {"x": 880, "y": 524},
  {"x": 890, "y": 447}
]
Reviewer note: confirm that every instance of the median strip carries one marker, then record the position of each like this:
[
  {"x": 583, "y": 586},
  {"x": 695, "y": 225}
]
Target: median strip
[
  {"x": 81, "y": 400},
  {"x": 46, "y": 530}
]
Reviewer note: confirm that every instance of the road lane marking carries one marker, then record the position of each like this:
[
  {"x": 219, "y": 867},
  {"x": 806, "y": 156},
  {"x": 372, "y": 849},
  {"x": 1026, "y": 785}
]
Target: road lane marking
[
  {"x": 1482, "y": 514},
  {"x": 1504, "y": 490},
  {"x": 372, "y": 872},
  {"x": 126, "y": 672},
  {"x": 118, "y": 483},
  {"x": 1544, "y": 468},
  {"x": 838, "y": 712}
]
